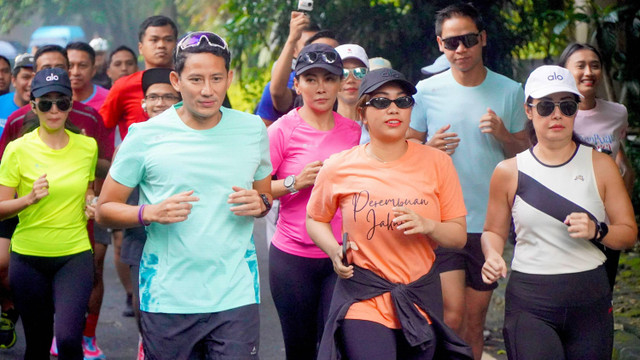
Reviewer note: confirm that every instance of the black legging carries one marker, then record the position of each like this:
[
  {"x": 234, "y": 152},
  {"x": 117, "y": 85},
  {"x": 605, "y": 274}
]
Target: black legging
[
  {"x": 368, "y": 340},
  {"x": 44, "y": 285},
  {"x": 301, "y": 289},
  {"x": 566, "y": 316}
]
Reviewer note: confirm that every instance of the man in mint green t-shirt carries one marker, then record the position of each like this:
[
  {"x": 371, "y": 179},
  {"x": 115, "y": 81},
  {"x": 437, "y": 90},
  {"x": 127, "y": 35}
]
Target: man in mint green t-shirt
[{"x": 204, "y": 174}]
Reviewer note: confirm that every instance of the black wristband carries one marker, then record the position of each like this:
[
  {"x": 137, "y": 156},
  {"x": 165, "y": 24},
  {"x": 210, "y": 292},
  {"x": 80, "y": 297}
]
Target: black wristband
[
  {"x": 267, "y": 204},
  {"x": 603, "y": 230},
  {"x": 595, "y": 234}
]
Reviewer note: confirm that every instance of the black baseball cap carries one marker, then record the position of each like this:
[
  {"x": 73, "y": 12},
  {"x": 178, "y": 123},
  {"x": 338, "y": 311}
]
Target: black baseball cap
[
  {"x": 320, "y": 56},
  {"x": 155, "y": 76},
  {"x": 50, "y": 80},
  {"x": 379, "y": 77}
]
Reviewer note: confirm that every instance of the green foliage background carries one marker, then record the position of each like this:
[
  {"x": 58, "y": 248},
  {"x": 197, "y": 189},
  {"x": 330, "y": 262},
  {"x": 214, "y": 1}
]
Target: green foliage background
[
  {"x": 522, "y": 34},
  {"x": 399, "y": 30}
]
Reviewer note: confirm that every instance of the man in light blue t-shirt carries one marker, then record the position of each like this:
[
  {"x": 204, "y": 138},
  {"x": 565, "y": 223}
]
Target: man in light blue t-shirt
[
  {"x": 204, "y": 173},
  {"x": 477, "y": 117}
]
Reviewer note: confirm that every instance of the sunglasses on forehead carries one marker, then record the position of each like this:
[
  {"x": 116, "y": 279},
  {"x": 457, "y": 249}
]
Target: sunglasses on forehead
[
  {"x": 546, "y": 107},
  {"x": 468, "y": 40},
  {"x": 313, "y": 57},
  {"x": 195, "y": 39},
  {"x": 403, "y": 102},
  {"x": 45, "y": 105}
]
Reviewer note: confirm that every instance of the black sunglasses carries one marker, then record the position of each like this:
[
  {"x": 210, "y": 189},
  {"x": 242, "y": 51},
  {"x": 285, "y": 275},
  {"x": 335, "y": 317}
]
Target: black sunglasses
[
  {"x": 402, "y": 102},
  {"x": 468, "y": 40},
  {"x": 546, "y": 107},
  {"x": 45, "y": 105},
  {"x": 312, "y": 57}
]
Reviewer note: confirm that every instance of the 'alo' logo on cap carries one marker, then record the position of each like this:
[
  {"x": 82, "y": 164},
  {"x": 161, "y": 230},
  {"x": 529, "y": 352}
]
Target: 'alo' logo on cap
[
  {"x": 52, "y": 77},
  {"x": 555, "y": 76}
]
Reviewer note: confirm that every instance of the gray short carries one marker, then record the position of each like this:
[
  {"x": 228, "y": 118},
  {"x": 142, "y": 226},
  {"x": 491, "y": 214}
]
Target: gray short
[
  {"x": 231, "y": 334},
  {"x": 102, "y": 235}
]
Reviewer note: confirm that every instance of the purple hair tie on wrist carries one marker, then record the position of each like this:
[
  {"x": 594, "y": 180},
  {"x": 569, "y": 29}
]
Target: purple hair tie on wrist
[{"x": 140, "y": 219}]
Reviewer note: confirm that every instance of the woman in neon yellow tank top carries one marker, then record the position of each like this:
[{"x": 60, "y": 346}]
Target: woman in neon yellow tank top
[{"x": 51, "y": 268}]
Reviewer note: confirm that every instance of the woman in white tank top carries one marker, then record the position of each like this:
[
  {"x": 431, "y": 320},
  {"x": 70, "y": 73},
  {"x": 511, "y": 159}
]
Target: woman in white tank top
[{"x": 563, "y": 197}]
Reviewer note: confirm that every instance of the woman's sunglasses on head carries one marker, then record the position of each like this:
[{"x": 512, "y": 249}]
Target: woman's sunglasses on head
[{"x": 313, "y": 57}]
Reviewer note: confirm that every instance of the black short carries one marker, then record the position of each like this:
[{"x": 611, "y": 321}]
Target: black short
[
  {"x": 230, "y": 334},
  {"x": 8, "y": 226},
  {"x": 470, "y": 259}
]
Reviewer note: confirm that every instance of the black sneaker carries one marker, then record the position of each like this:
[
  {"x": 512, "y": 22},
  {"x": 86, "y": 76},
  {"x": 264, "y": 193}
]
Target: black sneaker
[{"x": 8, "y": 335}]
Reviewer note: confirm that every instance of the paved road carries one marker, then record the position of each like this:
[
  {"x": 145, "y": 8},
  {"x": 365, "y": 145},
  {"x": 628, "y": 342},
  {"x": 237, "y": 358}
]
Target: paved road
[{"x": 117, "y": 335}]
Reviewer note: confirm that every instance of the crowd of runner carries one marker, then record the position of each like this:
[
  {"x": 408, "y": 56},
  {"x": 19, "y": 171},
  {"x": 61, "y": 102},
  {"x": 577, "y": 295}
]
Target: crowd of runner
[{"x": 387, "y": 204}]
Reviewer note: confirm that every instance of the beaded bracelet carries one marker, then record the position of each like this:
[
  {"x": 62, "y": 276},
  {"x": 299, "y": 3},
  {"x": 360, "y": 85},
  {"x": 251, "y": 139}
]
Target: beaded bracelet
[{"x": 140, "y": 219}]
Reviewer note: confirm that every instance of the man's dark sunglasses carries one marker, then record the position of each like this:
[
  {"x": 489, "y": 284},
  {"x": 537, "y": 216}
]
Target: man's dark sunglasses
[
  {"x": 402, "y": 102},
  {"x": 468, "y": 40},
  {"x": 546, "y": 107},
  {"x": 63, "y": 104}
]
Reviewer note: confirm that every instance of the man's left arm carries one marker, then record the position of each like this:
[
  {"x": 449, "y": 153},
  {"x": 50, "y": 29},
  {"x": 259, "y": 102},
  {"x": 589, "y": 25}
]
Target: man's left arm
[
  {"x": 257, "y": 201},
  {"x": 250, "y": 202},
  {"x": 512, "y": 143}
]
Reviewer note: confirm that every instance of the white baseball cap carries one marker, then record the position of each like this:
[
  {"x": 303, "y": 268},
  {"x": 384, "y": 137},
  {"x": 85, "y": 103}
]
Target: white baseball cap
[
  {"x": 353, "y": 51},
  {"x": 549, "y": 79},
  {"x": 99, "y": 44}
]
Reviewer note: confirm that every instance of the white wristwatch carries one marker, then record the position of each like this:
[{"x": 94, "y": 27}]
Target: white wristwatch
[{"x": 289, "y": 183}]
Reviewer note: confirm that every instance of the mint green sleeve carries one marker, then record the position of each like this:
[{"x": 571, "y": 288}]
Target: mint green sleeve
[{"x": 264, "y": 168}]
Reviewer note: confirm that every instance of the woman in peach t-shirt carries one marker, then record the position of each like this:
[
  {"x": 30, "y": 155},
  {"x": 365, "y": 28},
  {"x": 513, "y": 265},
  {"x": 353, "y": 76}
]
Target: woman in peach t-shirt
[{"x": 399, "y": 200}]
